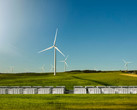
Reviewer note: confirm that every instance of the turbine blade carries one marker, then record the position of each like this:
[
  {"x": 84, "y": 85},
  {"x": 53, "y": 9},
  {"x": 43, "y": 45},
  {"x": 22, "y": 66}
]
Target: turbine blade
[
  {"x": 51, "y": 68},
  {"x": 55, "y": 36},
  {"x": 59, "y": 51},
  {"x": 66, "y": 63},
  {"x": 61, "y": 61},
  {"x": 66, "y": 57},
  {"x": 46, "y": 49}
]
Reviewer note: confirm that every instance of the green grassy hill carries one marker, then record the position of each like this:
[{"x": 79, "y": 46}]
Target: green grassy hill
[
  {"x": 68, "y": 79},
  {"x": 68, "y": 101}
]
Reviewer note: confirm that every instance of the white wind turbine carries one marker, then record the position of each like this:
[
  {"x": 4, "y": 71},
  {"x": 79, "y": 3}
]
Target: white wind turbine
[
  {"x": 55, "y": 48},
  {"x": 126, "y": 64},
  {"x": 65, "y": 63},
  {"x": 51, "y": 67},
  {"x": 43, "y": 69},
  {"x": 11, "y": 69}
]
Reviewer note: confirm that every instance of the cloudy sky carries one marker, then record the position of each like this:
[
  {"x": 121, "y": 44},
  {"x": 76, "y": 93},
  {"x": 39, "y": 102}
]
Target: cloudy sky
[{"x": 94, "y": 33}]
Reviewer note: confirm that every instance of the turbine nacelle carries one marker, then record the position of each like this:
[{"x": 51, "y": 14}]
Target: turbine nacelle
[
  {"x": 126, "y": 63},
  {"x": 51, "y": 48}
]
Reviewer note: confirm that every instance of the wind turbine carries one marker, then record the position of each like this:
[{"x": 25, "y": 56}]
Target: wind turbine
[
  {"x": 11, "y": 69},
  {"x": 55, "y": 48},
  {"x": 43, "y": 68},
  {"x": 126, "y": 64},
  {"x": 52, "y": 67},
  {"x": 65, "y": 63}
]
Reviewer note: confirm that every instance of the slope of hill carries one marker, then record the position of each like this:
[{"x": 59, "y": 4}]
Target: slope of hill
[{"x": 69, "y": 79}]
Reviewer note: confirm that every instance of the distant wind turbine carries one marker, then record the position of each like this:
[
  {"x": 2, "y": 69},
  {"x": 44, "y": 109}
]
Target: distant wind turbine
[
  {"x": 11, "y": 69},
  {"x": 51, "y": 67},
  {"x": 43, "y": 68},
  {"x": 126, "y": 64},
  {"x": 65, "y": 63},
  {"x": 55, "y": 48}
]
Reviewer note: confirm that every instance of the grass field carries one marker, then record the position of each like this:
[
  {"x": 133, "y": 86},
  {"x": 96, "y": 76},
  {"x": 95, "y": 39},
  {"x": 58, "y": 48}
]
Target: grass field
[
  {"x": 68, "y": 101},
  {"x": 68, "y": 79}
]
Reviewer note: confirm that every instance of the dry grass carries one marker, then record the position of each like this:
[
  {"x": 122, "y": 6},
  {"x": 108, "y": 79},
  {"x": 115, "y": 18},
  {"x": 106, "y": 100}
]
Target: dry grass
[{"x": 132, "y": 75}]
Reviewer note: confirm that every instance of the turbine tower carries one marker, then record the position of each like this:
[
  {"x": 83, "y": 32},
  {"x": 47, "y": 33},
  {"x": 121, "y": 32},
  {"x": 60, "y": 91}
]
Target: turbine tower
[
  {"x": 55, "y": 48},
  {"x": 65, "y": 63},
  {"x": 126, "y": 64}
]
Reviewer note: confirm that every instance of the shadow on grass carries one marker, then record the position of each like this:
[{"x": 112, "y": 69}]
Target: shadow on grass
[{"x": 102, "y": 83}]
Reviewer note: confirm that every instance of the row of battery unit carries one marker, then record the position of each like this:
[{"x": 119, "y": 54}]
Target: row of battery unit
[
  {"x": 105, "y": 90},
  {"x": 32, "y": 90},
  {"x": 77, "y": 90}
]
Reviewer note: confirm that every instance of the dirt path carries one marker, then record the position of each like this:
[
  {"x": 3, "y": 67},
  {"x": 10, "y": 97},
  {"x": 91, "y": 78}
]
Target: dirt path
[{"x": 133, "y": 75}]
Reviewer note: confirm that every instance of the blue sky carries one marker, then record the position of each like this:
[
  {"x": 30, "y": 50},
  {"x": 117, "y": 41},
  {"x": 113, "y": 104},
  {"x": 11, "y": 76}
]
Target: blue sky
[{"x": 94, "y": 33}]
